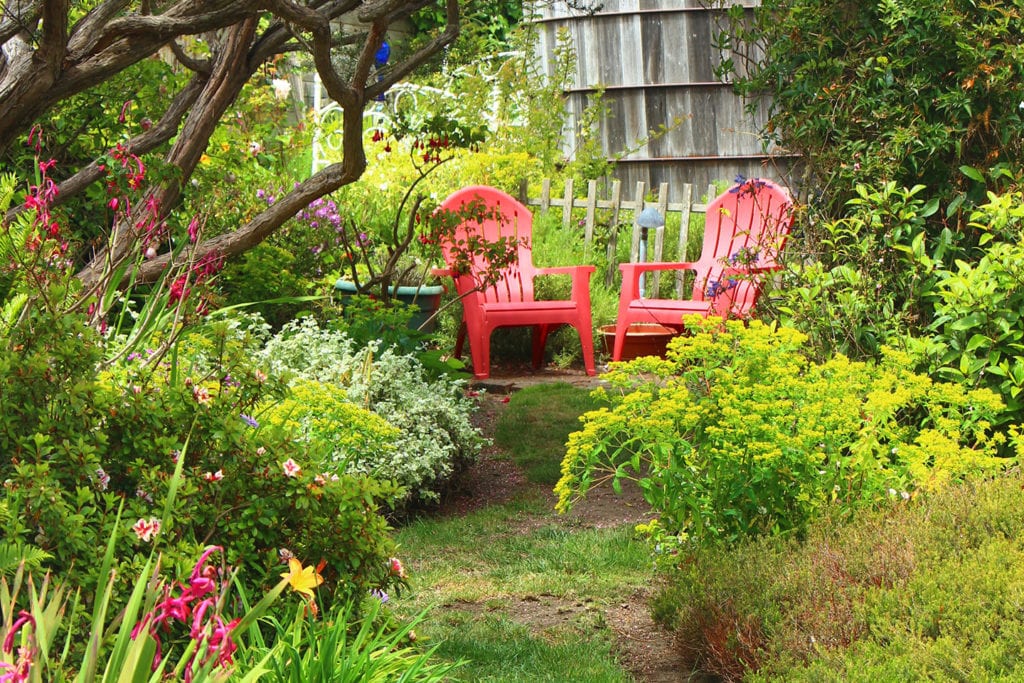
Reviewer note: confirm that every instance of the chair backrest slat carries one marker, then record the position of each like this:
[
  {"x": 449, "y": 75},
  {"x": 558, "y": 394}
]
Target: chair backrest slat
[
  {"x": 745, "y": 226},
  {"x": 502, "y": 218}
]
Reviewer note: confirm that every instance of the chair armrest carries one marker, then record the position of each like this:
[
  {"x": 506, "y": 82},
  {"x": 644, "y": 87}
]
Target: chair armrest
[
  {"x": 631, "y": 275},
  {"x": 442, "y": 272},
  {"x": 580, "y": 279},
  {"x": 751, "y": 270}
]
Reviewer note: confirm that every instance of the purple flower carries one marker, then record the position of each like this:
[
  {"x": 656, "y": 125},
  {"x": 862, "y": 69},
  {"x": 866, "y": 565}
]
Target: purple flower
[
  {"x": 380, "y": 595},
  {"x": 102, "y": 479},
  {"x": 249, "y": 420}
]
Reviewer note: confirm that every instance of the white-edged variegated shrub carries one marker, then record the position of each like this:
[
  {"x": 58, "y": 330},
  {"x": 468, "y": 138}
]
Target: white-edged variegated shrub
[{"x": 436, "y": 438}]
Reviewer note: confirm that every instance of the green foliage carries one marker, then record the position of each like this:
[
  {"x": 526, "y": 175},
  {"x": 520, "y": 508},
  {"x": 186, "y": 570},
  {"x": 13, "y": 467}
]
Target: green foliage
[
  {"x": 485, "y": 28},
  {"x": 81, "y": 444},
  {"x": 904, "y": 92},
  {"x": 738, "y": 433},
  {"x": 132, "y": 646},
  {"x": 916, "y": 591},
  {"x": 260, "y": 143},
  {"x": 347, "y": 645},
  {"x": 14, "y": 555},
  {"x": 435, "y": 438},
  {"x": 260, "y": 276},
  {"x": 977, "y": 333},
  {"x": 861, "y": 282},
  {"x": 334, "y": 429}
]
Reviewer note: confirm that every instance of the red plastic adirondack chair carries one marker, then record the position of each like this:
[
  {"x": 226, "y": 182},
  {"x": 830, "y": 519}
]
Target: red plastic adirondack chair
[
  {"x": 509, "y": 302},
  {"x": 744, "y": 232}
]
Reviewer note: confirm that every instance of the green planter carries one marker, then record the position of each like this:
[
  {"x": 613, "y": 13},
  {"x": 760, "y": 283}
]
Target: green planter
[{"x": 425, "y": 298}]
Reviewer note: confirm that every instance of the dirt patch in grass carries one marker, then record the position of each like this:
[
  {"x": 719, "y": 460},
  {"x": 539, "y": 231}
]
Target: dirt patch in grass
[{"x": 645, "y": 649}]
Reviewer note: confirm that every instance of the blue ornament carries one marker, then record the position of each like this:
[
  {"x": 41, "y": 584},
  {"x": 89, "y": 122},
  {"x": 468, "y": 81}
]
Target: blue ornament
[{"x": 383, "y": 54}]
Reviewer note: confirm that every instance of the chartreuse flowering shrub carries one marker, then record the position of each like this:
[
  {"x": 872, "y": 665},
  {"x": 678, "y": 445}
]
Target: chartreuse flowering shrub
[
  {"x": 333, "y": 427},
  {"x": 434, "y": 437},
  {"x": 738, "y": 433}
]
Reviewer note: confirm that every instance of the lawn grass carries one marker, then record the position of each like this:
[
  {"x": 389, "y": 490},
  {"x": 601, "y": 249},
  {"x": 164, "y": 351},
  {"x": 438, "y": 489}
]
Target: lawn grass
[
  {"x": 477, "y": 572},
  {"x": 513, "y": 589},
  {"x": 522, "y": 548},
  {"x": 537, "y": 423},
  {"x": 500, "y": 650}
]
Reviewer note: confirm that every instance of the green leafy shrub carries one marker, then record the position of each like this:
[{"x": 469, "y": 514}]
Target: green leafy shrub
[
  {"x": 435, "y": 437},
  {"x": 738, "y": 433},
  {"x": 907, "y": 92},
  {"x": 262, "y": 275},
  {"x": 113, "y": 438},
  {"x": 978, "y": 330},
  {"x": 870, "y": 277},
  {"x": 333, "y": 428}
]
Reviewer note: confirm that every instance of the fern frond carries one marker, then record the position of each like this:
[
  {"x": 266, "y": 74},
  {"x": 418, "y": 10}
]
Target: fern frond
[{"x": 13, "y": 554}]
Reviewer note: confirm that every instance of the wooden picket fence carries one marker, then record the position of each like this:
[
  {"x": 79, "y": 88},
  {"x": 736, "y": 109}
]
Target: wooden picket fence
[{"x": 623, "y": 210}]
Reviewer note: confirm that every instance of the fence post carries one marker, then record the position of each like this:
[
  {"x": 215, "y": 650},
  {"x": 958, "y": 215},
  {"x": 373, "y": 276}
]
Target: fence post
[
  {"x": 545, "y": 195},
  {"x": 567, "y": 206},
  {"x": 613, "y": 233},
  {"x": 588, "y": 229},
  {"x": 638, "y": 206},
  {"x": 684, "y": 236},
  {"x": 659, "y": 238}
]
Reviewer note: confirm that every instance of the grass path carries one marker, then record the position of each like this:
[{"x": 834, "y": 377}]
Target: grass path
[{"x": 524, "y": 594}]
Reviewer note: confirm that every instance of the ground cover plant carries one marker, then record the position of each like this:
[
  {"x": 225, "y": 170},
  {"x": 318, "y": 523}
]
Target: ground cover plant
[{"x": 921, "y": 589}]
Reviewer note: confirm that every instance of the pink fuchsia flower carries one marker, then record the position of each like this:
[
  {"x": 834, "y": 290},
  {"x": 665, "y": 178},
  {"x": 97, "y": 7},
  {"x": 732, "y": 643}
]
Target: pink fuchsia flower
[
  {"x": 291, "y": 468},
  {"x": 21, "y": 670},
  {"x": 193, "y": 229},
  {"x": 206, "y": 627},
  {"x": 146, "y": 529},
  {"x": 202, "y": 580},
  {"x": 178, "y": 290}
]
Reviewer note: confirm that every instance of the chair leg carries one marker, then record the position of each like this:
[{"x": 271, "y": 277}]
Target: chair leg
[
  {"x": 480, "y": 351},
  {"x": 620, "y": 340},
  {"x": 460, "y": 339},
  {"x": 540, "y": 338},
  {"x": 586, "y": 333}
]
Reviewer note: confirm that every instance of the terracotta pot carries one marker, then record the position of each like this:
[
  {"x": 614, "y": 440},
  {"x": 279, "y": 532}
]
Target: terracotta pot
[{"x": 642, "y": 339}]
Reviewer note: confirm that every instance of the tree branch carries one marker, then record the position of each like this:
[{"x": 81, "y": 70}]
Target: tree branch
[
  {"x": 199, "y": 66},
  {"x": 86, "y": 33},
  {"x": 145, "y": 142},
  {"x": 17, "y": 17},
  {"x": 421, "y": 56}
]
